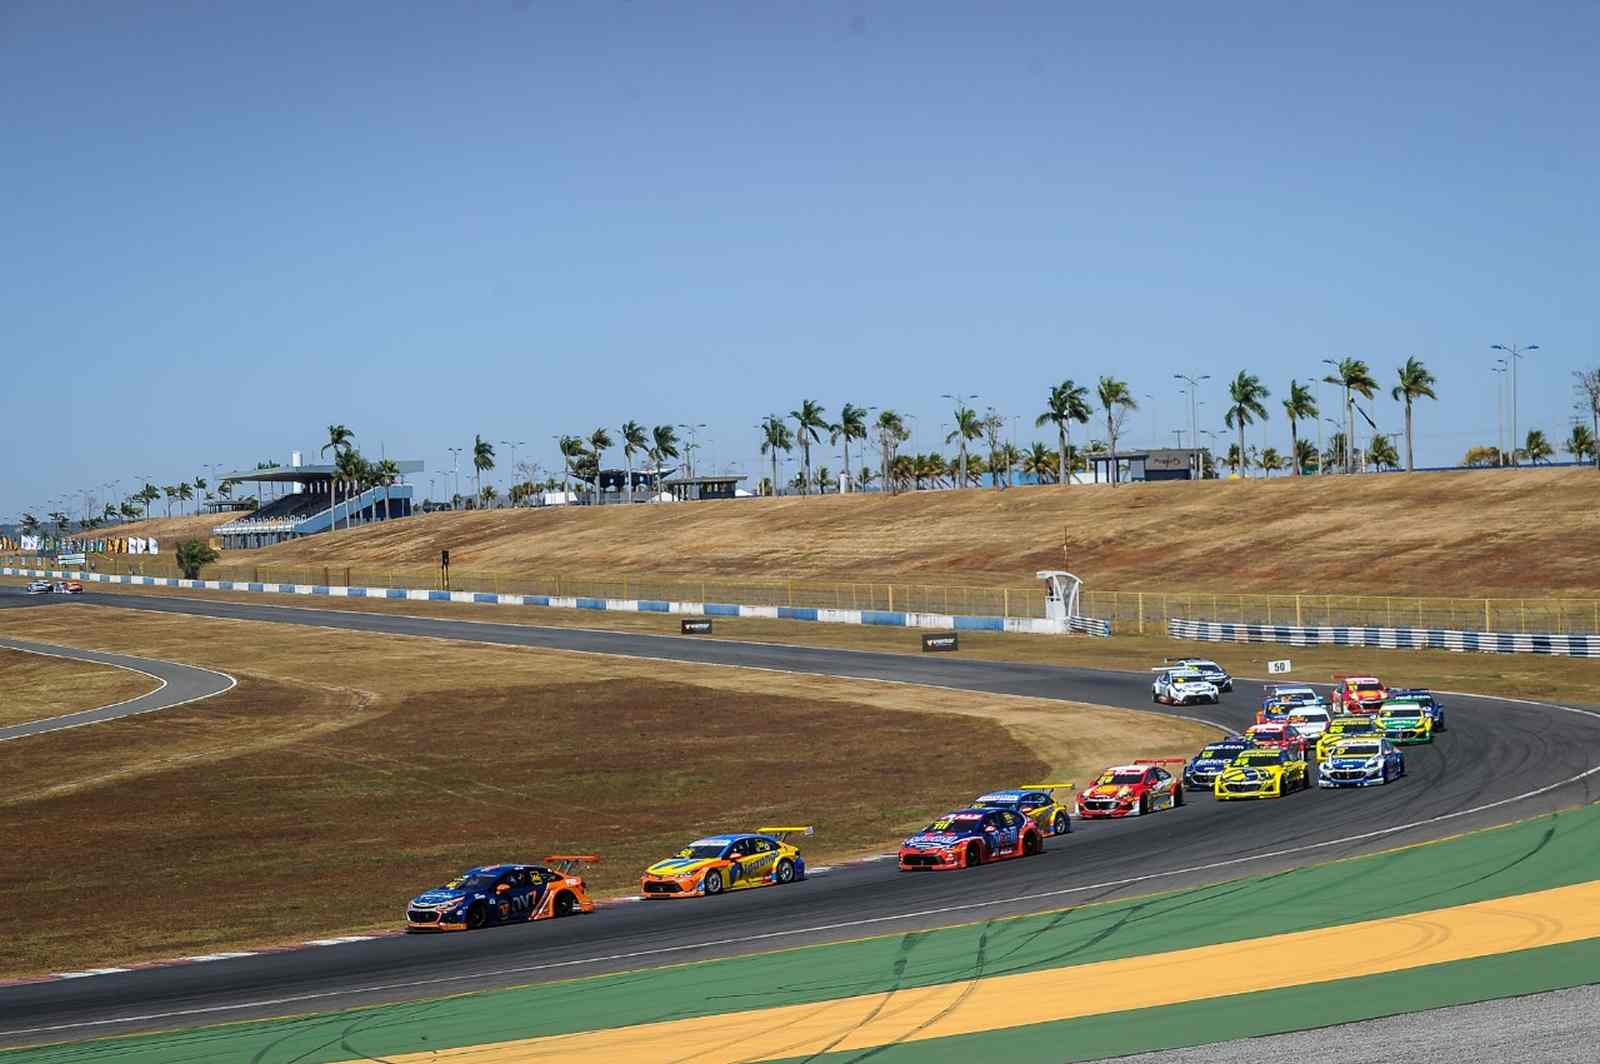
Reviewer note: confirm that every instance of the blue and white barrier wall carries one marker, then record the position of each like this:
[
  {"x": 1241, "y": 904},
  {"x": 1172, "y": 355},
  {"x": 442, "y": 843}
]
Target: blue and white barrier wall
[
  {"x": 890, "y": 618},
  {"x": 1576, "y": 646}
]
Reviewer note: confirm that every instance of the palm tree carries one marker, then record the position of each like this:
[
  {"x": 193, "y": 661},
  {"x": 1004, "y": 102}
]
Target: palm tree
[
  {"x": 1415, "y": 383},
  {"x": 1383, "y": 454},
  {"x": 968, "y": 426},
  {"x": 1245, "y": 393},
  {"x": 864, "y": 477},
  {"x": 339, "y": 439},
  {"x": 1237, "y": 459},
  {"x": 903, "y": 471},
  {"x": 1301, "y": 405},
  {"x": 634, "y": 441},
  {"x": 128, "y": 510},
  {"x": 852, "y": 425},
  {"x": 483, "y": 460},
  {"x": 664, "y": 445},
  {"x": 571, "y": 450},
  {"x": 1116, "y": 400},
  {"x": 599, "y": 442},
  {"x": 386, "y": 473},
  {"x": 110, "y": 512},
  {"x": 148, "y": 494},
  {"x": 185, "y": 493},
  {"x": 1305, "y": 456},
  {"x": 1354, "y": 375},
  {"x": 1068, "y": 402},
  {"x": 809, "y": 426},
  {"x": 1581, "y": 443},
  {"x": 1537, "y": 447},
  {"x": 891, "y": 433},
  {"x": 1271, "y": 461},
  {"x": 350, "y": 468},
  {"x": 1336, "y": 453},
  {"x": 1041, "y": 462},
  {"x": 29, "y": 525},
  {"x": 775, "y": 437},
  {"x": 171, "y": 493},
  {"x": 1007, "y": 459}
]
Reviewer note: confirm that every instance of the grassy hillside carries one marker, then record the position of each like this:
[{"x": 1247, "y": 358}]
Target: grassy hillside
[
  {"x": 1493, "y": 533},
  {"x": 168, "y": 531}
]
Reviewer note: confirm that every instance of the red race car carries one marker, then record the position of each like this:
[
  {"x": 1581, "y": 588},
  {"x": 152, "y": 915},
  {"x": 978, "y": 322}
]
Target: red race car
[
  {"x": 1358, "y": 694},
  {"x": 1280, "y": 735},
  {"x": 1133, "y": 790}
]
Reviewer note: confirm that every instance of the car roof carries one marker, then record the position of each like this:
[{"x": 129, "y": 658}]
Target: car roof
[
  {"x": 1004, "y": 796},
  {"x": 1306, "y": 711},
  {"x": 1363, "y": 681},
  {"x": 1141, "y": 769}
]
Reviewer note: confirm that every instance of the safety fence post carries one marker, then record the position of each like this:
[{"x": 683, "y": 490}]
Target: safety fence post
[
  {"x": 1005, "y": 602},
  {"x": 1141, "y": 613},
  {"x": 1487, "y": 627},
  {"x": 891, "y": 597}
]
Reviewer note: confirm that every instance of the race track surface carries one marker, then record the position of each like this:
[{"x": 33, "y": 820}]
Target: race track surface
[
  {"x": 180, "y": 684},
  {"x": 1500, "y": 760}
]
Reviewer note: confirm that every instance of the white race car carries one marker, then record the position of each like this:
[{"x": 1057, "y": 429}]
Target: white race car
[
  {"x": 40, "y": 587},
  {"x": 1362, "y": 762},
  {"x": 1182, "y": 687},
  {"x": 1310, "y": 720},
  {"x": 1208, "y": 669}
]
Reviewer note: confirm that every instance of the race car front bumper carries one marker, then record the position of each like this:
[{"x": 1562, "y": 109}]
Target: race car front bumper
[
  {"x": 917, "y": 860},
  {"x": 657, "y": 887},
  {"x": 1231, "y": 791},
  {"x": 1109, "y": 809},
  {"x": 1410, "y": 736},
  {"x": 436, "y": 920},
  {"x": 1351, "y": 778}
]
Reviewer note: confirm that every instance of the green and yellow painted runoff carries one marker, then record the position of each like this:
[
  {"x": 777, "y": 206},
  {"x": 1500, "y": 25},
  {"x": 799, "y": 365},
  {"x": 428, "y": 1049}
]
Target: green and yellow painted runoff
[{"x": 1486, "y": 915}]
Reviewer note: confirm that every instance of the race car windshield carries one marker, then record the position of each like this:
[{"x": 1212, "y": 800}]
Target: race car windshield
[
  {"x": 1252, "y": 758},
  {"x": 953, "y": 823},
  {"x": 1355, "y": 727},
  {"x": 1357, "y": 750},
  {"x": 1213, "y": 753},
  {"x": 1121, "y": 777},
  {"x": 995, "y": 804},
  {"x": 1313, "y": 717},
  {"x": 471, "y": 883},
  {"x": 702, "y": 853}
]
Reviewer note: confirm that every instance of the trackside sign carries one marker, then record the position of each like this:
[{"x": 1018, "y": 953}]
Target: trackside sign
[
  {"x": 942, "y": 641},
  {"x": 1281, "y": 665},
  {"x": 696, "y": 627}
]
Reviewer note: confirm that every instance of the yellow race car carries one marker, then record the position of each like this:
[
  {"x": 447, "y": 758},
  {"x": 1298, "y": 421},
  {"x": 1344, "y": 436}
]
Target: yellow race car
[
  {"x": 1263, "y": 773},
  {"x": 1405, "y": 722},
  {"x": 1038, "y": 802},
  {"x": 718, "y": 863},
  {"x": 1341, "y": 728}
]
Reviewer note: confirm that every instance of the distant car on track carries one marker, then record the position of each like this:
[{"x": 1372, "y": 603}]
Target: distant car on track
[
  {"x": 1280, "y": 701},
  {"x": 1204, "y": 768},
  {"x": 1405, "y": 723},
  {"x": 1309, "y": 720},
  {"x": 1346, "y": 727},
  {"x": 718, "y": 863},
  {"x": 1422, "y": 697},
  {"x": 39, "y": 587},
  {"x": 1183, "y": 687},
  {"x": 1037, "y": 801},
  {"x": 968, "y": 837},
  {"x": 1277, "y": 734},
  {"x": 1263, "y": 773},
  {"x": 504, "y": 894},
  {"x": 1358, "y": 694},
  {"x": 69, "y": 587},
  {"x": 1363, "y": 762},
  {"x": 1209, "y": 669},
  {"x": 1132, "y": 790}
]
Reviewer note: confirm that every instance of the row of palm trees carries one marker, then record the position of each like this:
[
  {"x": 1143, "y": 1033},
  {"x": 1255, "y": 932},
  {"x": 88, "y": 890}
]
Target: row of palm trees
[{"x": 355, "y": 474}]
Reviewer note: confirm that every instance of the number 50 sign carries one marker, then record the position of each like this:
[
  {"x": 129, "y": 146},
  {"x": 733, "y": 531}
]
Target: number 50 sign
[{"x": 1275, "y": 667}]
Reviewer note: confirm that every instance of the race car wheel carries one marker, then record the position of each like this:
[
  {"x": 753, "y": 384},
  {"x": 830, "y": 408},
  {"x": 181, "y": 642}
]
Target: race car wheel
[
  {"x": 565, "y": 903},
  {"x": 974, "y": 855},
  {"x": 477, "y": 916},
  {"x": 714, "y": 881},
  {"x": 1177, "y": 796},
  {"x": 1144, "y": 804},
  {"x": 1061, "y": 824},
  {"x": 1215, "y": 699},
  {"x": 785, "y": 871},
  {"x": 1030, "y": 844}
]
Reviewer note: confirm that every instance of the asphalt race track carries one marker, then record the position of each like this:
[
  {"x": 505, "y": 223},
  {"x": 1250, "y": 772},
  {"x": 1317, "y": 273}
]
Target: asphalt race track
[
  {"x": 180, "y": 684},
  {"x": 1500, "y": 760}
]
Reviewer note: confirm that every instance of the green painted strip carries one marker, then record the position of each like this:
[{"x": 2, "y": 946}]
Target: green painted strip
[
  {"x": 1269, "y": 1012},
  {"x": 1550, "y": 851}
]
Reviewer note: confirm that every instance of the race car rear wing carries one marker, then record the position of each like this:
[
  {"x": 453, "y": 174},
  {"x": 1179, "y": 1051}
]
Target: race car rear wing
[
  {"x": 568, "y": 863},
  {"x": 1068, "y": 785},
  {"x": 1180, "y": 761},
  {"x": 782, "y": 833}
]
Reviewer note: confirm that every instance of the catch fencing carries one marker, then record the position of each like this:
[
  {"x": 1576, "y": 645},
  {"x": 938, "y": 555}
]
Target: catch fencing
[{"x": 1575, "y": 646}]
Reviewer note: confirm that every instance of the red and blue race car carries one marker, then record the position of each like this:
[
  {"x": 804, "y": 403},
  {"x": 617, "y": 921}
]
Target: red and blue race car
[{"x": 969, "y": 837}]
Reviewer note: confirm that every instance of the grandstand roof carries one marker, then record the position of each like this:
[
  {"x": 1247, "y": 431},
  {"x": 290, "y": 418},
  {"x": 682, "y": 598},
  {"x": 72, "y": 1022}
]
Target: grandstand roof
[{"x": 307, "y": 473}]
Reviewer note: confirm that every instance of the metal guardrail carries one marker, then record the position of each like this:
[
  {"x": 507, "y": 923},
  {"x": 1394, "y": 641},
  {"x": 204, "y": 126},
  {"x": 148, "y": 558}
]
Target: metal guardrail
[
  {"x": 1150, "y": 611},
  {"x": 1572, "y": 645}
]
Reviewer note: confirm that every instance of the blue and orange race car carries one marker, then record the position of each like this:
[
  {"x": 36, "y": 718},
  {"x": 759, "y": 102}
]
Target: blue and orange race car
[
  {"x": 504, "y": 894},
  {"x": 1036, "y": 800},
  {"x": 969, "y": 837}
]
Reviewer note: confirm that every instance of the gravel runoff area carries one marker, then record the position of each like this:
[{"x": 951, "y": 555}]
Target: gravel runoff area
[{"x": 1554, "y": 1028}]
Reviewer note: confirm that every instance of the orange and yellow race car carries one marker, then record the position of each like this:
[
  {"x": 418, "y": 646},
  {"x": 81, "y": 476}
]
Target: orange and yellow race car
[
  {"x": 763, "y": 858},
  {"x": 504, "y": 894}
]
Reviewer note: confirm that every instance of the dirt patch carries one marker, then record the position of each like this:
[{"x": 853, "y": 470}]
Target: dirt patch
[
  {"x": 348, "y": 771},
  {"x": 36, "y": 686}
]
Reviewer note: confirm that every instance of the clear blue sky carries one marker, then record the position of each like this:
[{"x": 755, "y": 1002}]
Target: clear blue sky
[{"x": 226, "y": 226}]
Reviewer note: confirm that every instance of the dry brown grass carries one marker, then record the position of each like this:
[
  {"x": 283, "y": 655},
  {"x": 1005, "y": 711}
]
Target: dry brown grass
[
  {"x": 1518, "y": 676},
  {"x": 1523, "y": 532},
  {"x": 33, "y": 686},
  {"x": 347, "y": 771},
  {"x": 168, "y": 531}
]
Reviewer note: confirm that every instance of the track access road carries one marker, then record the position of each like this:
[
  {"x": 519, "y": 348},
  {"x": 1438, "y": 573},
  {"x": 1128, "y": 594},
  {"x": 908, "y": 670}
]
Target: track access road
[{"x": 1500, "y": 760}]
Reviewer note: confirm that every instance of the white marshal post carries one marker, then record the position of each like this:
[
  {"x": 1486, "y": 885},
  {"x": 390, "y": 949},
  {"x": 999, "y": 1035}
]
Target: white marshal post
[{"x": 1060, "y": 594}]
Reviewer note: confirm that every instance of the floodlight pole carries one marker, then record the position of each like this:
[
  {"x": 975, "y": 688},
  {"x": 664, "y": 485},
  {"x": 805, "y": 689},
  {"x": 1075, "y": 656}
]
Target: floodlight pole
[
  {"x": 1194, "y": 407},
  {"x": 1516, "y": 353}
]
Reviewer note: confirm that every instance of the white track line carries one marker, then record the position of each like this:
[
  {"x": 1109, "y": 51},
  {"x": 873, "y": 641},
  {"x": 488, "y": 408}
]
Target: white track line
[{"x": 843, "y": 925}]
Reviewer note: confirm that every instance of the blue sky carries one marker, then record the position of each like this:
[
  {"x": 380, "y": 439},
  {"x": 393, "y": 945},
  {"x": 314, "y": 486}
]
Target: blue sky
[{"x": 226, "y": 226}]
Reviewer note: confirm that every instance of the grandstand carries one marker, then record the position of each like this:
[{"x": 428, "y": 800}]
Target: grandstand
[{"x": 315, "y": 501}]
